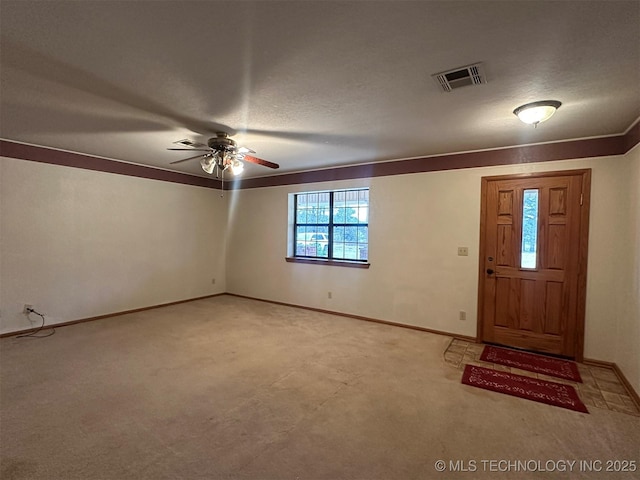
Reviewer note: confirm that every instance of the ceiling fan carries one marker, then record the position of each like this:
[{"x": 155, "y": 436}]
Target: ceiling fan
[{"x": 221, "y": 154}]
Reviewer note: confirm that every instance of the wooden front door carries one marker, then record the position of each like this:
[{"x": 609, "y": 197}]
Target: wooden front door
[{"x": 533, "y": 260}]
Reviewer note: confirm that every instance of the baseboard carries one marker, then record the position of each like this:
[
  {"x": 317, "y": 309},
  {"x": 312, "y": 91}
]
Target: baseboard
[
  {"x": 614, "y": 366},
  {"x": 100, "y": 317},
  {"x": 359, "y": 317}
]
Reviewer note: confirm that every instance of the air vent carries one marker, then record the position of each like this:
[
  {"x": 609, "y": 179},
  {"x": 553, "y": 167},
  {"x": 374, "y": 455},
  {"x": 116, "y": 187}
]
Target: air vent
[
  {"x": 188, "y": 143},
  {"x": 460, "y": 77}
]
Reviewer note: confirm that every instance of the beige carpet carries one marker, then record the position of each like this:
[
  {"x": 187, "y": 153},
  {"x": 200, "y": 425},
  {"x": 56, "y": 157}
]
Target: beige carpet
[{"x": 230, "y": 388}]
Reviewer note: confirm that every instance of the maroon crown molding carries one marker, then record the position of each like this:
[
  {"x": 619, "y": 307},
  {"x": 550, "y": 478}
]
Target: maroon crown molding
[
  {"x": 593, "y": 147},
  {"x": 632, "y": 137},
  {"x": 78, "y": 160},
  {"x": 587, "y": 148}
]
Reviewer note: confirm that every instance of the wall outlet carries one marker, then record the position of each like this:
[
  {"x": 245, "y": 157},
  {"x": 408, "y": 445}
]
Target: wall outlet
[
  {"x": 463, "y": 315},
  {"x": 26, "y": 308},
  {"x": 329, "y": 295},
  {"x": 463, "y": 251}
]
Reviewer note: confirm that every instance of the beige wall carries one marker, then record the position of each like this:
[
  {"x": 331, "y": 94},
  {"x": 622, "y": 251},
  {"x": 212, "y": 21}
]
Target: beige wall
[
  {"x": 78, "y": 243},
  {"x": 417, "y": 222},
  {"x": 628, "y": 328}
]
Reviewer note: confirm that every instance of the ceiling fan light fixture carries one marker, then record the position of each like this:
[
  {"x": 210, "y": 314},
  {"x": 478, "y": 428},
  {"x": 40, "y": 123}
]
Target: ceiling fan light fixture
[
  {"x": 237, "y": 167},
  {"x": 222, "y": 154},
  {"x": 536, "y": 112},
  {"x": 227, "y": 157},
  {"x": 208, "y": 163}
]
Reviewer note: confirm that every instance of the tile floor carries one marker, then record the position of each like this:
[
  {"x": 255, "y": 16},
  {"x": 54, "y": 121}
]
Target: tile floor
[{"x": 600, "y": 386}]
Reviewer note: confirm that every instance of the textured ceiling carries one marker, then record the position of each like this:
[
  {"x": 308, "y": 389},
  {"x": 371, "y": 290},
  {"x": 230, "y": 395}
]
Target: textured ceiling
[{"x": 311, "y": 84}]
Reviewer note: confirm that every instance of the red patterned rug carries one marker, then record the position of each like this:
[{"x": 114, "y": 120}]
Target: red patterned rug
[
  {"x": 542, "y": 391},
  {"x": 554, "y": 367}
]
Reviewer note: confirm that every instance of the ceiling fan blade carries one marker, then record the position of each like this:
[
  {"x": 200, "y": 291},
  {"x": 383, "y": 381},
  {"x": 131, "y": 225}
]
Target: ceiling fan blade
[
  {"x": 192, "y": 149},
  {"x": 244, "y": 150},
  {"x": 186, "y": 159},
  {"x": 260, "y": 161}
]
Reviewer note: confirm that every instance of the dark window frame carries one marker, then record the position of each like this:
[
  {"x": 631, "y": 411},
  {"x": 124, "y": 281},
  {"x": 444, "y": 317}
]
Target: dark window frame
[{"x": 330, "y": 225}]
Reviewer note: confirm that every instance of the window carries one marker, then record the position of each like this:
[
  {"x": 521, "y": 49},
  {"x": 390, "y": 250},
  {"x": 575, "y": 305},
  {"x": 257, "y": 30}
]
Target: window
[
  {"x": 529, "y": 246},
  {"x": 332, "y": 225}
]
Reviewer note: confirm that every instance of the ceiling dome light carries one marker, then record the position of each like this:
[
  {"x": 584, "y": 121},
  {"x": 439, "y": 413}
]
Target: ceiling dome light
[{"x": 536, "y": 112}]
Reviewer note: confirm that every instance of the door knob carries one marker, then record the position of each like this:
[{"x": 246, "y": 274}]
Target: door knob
[{"x": 489, "y": 271}]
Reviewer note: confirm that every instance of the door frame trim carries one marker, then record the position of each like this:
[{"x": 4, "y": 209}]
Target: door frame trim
[{"x": 585, "y": 173}]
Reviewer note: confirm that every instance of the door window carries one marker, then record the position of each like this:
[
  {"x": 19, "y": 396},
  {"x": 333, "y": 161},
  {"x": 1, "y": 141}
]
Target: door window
[{"x": 529, "y": 245}]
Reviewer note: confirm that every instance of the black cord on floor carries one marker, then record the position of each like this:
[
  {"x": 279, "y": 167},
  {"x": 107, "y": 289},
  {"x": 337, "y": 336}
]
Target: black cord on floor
[{"x": 33, "y": 334}]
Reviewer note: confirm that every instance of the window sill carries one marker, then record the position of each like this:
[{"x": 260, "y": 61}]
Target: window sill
[{"x": 335, "y": 263}]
